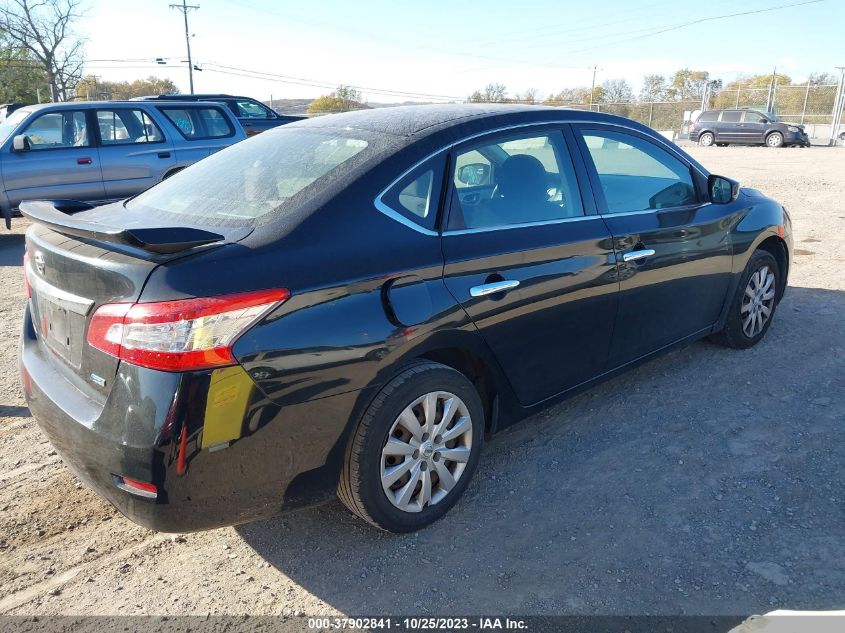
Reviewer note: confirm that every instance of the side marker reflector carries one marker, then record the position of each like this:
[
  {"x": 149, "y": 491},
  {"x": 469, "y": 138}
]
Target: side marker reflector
[{"x": 134, "y": 487}]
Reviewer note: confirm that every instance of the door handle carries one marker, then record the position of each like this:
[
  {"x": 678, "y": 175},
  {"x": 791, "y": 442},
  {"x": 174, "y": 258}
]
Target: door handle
[
  {"x": 83, "y": 161},
  {"x": 634, "y": 255},
  {"x": 492, "y": 288},
  {"x": 164, "y": 154}
]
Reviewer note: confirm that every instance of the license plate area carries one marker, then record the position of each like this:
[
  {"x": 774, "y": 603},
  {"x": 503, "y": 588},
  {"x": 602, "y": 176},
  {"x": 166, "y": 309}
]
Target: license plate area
[
  {"x": 59, "y": 320},
  {"x": 61, "y": 330}
]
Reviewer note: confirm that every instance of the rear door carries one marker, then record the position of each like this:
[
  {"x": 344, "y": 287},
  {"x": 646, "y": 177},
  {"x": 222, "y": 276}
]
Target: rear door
[
  {"x": 529, "y": 260},
  {"x": 729, "y": 128},
  {"x": 134, "y": 152},
  {"x": 62, "y": 162},
  {"x": 672, "y": 249}
]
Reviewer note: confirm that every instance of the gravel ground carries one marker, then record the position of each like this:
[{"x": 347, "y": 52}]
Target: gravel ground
[{"x": 707, "y": 481}]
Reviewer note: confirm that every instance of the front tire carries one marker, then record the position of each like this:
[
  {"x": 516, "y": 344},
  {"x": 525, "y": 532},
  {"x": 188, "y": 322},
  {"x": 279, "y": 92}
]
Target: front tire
[
  {"x": 775, "y": 139},
  {"x": 414, "y": 450},
  {"x": 753, "y": 305},
  {"x": 706, "y": 139}
]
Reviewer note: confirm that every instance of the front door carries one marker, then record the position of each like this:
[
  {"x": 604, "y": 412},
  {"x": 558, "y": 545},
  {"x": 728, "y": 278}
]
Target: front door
[
  {"x": 672, "y": 248},
  {"x": 61, "y": 162},
  {"x": 754, "y": 127},
  {"x": 529, "y": 260}
]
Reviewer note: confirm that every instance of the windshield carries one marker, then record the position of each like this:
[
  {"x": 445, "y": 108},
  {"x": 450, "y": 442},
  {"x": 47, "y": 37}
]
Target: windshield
[
  {"x": 10, "y": 124},
  {"x": 256, "y": 177}
]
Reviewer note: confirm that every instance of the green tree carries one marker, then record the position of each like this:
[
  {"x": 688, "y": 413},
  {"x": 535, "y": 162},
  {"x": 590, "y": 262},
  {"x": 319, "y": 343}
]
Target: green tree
[
  {"x": 616, "y": 91},
  {"x": 492, "y": 93},
  {"x": 44, "y": 29},
  {"x": 89, "y": 87},
  {"x": 21, "y": 77},
  {"x": 654, "y": 88},
  {"x": 343, "y": 99},
  {"x": 688, "y": 85}
]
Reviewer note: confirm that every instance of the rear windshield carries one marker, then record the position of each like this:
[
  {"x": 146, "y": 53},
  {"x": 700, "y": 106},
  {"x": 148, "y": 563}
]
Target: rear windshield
[{"x": 269, "y": 172}]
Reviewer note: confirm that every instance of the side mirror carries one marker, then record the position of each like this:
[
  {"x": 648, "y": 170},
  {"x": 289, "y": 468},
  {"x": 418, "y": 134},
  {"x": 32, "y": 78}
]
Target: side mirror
[
  {"x": 21, "y": 143},
  {"x": 722, "y": 190},
  {"x": 474, "y": 174}
]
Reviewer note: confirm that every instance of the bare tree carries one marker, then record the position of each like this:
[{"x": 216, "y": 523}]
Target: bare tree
[{"x": 44, "y": 29}]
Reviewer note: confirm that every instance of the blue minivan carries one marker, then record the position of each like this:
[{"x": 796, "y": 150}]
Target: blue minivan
[{"x": 105, "y": 150}]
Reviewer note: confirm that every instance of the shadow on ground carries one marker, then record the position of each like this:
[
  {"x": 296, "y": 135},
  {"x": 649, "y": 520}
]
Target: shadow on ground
[{"x": 707, "y": 481}]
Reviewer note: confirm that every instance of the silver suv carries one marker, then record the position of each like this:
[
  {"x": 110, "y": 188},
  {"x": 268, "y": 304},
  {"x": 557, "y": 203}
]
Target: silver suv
[{"x": 105, "y": 150}]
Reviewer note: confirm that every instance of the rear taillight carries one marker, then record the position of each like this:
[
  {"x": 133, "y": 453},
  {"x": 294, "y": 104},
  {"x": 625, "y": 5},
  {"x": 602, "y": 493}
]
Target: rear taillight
[
  {"x": 179, "y": 335},
  {"x": 26, "y": 274}
]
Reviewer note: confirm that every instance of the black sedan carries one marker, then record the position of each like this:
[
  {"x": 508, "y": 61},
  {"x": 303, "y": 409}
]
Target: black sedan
[{"x": 351, "y": 304}]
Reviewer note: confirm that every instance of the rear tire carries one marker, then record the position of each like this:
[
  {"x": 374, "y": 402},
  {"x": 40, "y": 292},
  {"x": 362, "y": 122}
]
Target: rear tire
[
  {"x": 706, "y": 139},
  {"x": 435, "y": 456},
  {"x": 753, "y": 305},
  {"x": 775, "y": 139}
]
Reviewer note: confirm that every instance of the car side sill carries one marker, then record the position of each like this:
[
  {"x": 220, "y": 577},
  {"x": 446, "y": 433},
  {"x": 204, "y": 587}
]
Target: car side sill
[{"x": 521, "y": 412}]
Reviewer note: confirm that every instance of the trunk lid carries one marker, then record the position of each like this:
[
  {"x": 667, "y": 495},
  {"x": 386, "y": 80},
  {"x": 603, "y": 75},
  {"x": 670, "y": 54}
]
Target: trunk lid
[{"x": 78, "y": 263}]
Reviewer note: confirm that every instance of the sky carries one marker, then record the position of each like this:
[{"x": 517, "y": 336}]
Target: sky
[{"x": 441, "y": 50}]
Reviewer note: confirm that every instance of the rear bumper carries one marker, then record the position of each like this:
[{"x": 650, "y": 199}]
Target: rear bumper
[{"x": 217, "y": 450}]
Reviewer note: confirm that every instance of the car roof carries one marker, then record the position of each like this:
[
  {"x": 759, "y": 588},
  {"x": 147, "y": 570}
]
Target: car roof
[
  {"x": 422, "y": 120},
  {"x": 72, "y": 105}
]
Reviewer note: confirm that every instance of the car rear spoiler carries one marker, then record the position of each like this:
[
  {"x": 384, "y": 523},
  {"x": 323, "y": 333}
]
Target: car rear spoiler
[{"x": 162, "y": 240}]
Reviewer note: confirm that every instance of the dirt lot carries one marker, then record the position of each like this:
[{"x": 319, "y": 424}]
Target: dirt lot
[{"x": 708, "y": 481}]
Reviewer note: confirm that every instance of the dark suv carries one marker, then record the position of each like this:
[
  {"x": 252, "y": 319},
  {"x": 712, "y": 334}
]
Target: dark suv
[
  {"x": 746, "y": 127},
  {"x": 253, "y": 115}
]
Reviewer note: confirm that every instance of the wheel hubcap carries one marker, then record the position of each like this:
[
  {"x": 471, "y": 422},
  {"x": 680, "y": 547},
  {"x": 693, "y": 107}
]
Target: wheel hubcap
[
  {"x": 758, "y": 301},
  {"x": 426, "y": 451}
]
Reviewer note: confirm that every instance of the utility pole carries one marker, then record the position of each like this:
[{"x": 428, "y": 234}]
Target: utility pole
[
  {"x": 593, "y": 87},
  {"x": 837, "y": 106},
  {"x": 184, "y": 8},
  {"x": 770, "y": 98}
]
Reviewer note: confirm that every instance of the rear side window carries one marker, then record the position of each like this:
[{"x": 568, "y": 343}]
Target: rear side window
[
  {"x": 708, "y": 117},
  {"x": 637, "y": 175},
  {"x": 416, "y": 196},
  {"x": 199, "y": 123},
  {"x": 731, "y": 116},
  {"x": 124, "y": 127},
  {"x": 270, "y": 172}
]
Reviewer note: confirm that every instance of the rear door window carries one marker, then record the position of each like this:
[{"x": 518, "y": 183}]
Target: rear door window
[
  {"x": 514, "y": 180},
  {"x": 731, "y": 116},
  {"x": 195, "y": 123},
  {"x": 124, "y": 127}
]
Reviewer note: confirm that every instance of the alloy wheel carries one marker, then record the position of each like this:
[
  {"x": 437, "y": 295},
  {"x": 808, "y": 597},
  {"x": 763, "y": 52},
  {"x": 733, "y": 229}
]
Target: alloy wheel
[
  {"x": 426, "y": 451},
  {"x": 758, "y": 301},
  {"x": 774, "y": 140}
]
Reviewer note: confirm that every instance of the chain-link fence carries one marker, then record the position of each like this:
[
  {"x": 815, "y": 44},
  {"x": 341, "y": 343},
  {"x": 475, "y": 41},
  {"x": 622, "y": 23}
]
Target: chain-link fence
[{"x": 810, "y": 105}]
